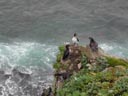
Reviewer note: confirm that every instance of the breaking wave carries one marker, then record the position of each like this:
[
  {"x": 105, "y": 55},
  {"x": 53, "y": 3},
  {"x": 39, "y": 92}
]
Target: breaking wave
[
  {"x": 115, "y": 49},
  {"x": 25, "y": 68}
]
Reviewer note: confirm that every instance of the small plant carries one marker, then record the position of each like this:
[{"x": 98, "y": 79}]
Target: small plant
[
  {"x": 100, "y": 64},
  {"x": 61, "y": 49},
  {"x": 121, "y": 86},
  {"x": 84, "y": 61},
  {"x": 57, "y": 65}
]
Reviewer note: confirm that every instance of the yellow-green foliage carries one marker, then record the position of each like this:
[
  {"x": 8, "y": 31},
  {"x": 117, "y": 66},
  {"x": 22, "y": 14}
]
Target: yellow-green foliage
[
  {"x": 115, "y": 61},
  {"x": 57, "y": 65},
  {"x": 61, "y": 49},
  {"x": 60, "y": 54}
]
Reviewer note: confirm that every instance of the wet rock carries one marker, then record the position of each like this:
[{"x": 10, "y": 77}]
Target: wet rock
[
  {"x": 20, "y": 78},
  {"x": 19, "y": 74},
  {"x": 1, "y": 72},
  {"x": 3, "y": 76},
  {"x": 47, "y": 92}
]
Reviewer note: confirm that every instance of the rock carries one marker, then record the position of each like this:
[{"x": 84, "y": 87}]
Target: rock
[
  {"x": 95, "y": 61},
  {"x": 20, "y": 78},
  {"x": 16, "y": 72},
  {"x": 4, "y": 76},
  {"x": 86, "y": 50},
  {"x": 79, "y": 66},
  {"x": 71, "y": 67},
  {"x": 1, "y": 72},
  {"x": 64, "y": 75},
  {"x": 47, "y": 92}
]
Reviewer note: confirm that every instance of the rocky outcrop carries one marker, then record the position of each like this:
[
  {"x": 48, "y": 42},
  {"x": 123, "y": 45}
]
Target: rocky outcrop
[
  {"x": 83, "y": 59},
  {"x": 73, "y": 63}
]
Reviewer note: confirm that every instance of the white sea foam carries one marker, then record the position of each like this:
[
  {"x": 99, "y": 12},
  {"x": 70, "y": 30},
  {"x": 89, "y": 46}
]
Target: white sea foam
[
  {"x": 28, "y": 58},
  {"x": 115, "y": 49},
  {"x": 27, "y": 54},
  {"x": 106, "y": 47},
  {"x": 11, "y": 86}
]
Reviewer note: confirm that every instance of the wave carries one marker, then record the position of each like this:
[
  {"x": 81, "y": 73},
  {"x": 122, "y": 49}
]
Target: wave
[
  {"x": 115, "y": 49},
  {"x": 25, "y": 68}
]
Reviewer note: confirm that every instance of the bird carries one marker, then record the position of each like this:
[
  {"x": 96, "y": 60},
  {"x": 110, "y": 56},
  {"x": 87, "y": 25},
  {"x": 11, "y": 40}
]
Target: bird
[{"x": 75, "y": 40}]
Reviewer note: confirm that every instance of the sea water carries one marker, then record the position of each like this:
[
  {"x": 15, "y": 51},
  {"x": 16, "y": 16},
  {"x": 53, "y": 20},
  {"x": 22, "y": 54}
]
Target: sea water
[{"x": 32, "y": 30}]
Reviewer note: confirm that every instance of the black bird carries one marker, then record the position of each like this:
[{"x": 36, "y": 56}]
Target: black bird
[
  {"x": 66, "y": 52},
  {"x": 93, "y": 45}
]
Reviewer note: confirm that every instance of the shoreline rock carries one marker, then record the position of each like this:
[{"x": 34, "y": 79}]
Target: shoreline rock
[{"x": 83, "y": 64}]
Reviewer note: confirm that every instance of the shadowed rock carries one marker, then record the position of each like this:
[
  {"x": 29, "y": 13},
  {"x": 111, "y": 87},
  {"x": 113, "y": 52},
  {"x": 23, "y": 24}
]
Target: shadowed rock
[
  {"x": 64, "y": 75},
  {"x": 3, "y": 76},
  {"x": 47, "y": 92},
  {"x": 16, "y": 72},
  {"x": 20, "y": 77}
]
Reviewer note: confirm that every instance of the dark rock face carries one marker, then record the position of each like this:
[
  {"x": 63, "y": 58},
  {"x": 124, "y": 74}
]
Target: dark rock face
[
  {"x": 3, "y": 76},
  {"x": 21, "y": 78},
  {"x": 20, "y": 82},
  {"x": 63, "y": 76},
  {"x": 19, "y": 75},
  {"x": 47, "y": 92}
]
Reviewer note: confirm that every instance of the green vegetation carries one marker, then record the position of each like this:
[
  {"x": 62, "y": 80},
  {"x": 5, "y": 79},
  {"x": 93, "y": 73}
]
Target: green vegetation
[
  {"x": 108, "y": 76},
  {"x": 57, "y": 65},
  {"x": 115, "y": 61}
]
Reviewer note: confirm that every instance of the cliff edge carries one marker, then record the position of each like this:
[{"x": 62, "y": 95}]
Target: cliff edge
[{"x": 88, "y": 73}]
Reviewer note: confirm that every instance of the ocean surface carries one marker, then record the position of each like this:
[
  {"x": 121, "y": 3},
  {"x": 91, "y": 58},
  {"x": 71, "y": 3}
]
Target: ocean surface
[{"x": 32, "y": 30}]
